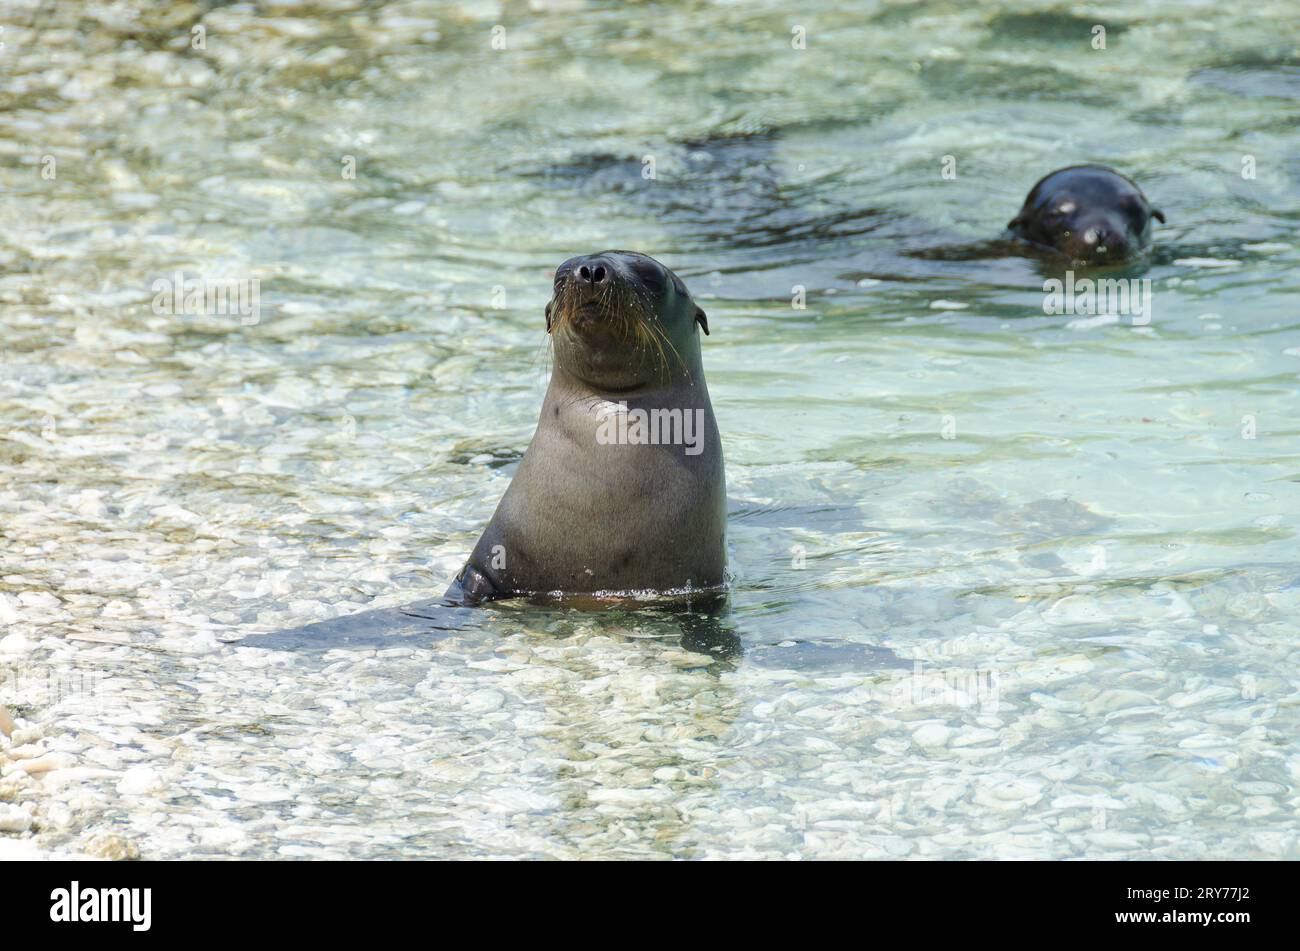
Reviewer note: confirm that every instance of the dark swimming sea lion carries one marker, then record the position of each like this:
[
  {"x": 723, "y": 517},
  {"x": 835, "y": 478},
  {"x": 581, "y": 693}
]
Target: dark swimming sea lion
[
  {"x": 1090, "y": 213},
  {"x": 622, "y": 489}
]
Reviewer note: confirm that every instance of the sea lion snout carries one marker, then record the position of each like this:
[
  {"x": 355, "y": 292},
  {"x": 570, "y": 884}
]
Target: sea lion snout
[
  {"x": 592, "y": 271},
  {"x": 606, "y": 288},
  {"x": 588, "y": 281},
  {"x": 1100, "y": 240}
]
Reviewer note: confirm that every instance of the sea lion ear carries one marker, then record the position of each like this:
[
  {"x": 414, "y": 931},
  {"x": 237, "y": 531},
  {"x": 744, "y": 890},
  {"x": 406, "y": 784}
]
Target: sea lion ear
[
  {"x": 1015, "y": 222},
  {"x": 1157, "y": 214},
  {"x": 548, "y": 316},
  {"x": 702, "y": 319}
]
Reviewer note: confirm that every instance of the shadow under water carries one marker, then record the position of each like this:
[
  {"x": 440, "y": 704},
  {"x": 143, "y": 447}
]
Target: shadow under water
[{"x": 700, "y": 625}]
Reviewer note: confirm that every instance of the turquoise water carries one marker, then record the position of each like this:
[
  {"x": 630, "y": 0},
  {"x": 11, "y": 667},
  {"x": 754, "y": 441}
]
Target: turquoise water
[{"x": 1007, "y": 584}]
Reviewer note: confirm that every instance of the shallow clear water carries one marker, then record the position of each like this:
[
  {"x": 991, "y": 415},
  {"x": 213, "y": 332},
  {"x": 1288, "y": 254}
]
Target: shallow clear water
[{"x": 1006, "y": 584}]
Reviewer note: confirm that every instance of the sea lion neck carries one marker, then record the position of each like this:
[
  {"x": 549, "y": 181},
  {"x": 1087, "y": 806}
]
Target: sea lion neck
[{"x": 565, "y": 381}]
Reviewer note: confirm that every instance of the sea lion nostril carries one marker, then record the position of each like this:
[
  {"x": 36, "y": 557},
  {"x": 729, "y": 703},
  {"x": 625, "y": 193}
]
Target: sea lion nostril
[{"x": 592, "y": 273}]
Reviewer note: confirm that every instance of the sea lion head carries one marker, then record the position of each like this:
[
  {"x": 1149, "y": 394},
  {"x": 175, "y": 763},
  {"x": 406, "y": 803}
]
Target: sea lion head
[
  {"x": 1090, "y": 213},
  {"x": 619, "y": 320}
]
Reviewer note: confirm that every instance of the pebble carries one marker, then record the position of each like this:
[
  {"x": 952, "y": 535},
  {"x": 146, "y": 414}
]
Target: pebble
[
  {"x": 140, "y": 781},
  {"x": 932, "y": 736},
  {"x": 262, "y": 792},
  {"x": 1011, "y": 792},
  {"x": 21, "y": 850},
  {"x": 628, "y": 797},
  {"x": 1256, "y": 788},
  {"x": 42, "y": 600},
  {"x": 114, "y": 848},
  {"x": 223, "y": 839},
  {"x": 1109, "y": 701},
  {"x": 1206, "y": 694},
  {"x": 15, "y": 645},
  {"x": 686, "y": 660},
  {"x": 14, "y": 818},
  {"x": 1116, "y": 841},
  {"x": 975, "y": 737},
  {"x": 45, "y": 763},
  {"x": 483, "y": 701}
]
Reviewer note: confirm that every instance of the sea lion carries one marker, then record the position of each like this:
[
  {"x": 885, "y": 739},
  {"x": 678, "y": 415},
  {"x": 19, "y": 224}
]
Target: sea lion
[
  {"x": 622, "y": 489},
  {"x": 1090, "y": 213},
  {"x": 621, "y": 494}
]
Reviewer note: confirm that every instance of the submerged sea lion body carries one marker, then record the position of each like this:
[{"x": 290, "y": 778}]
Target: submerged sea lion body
[
  {"x": 622, "y": 489},
  {"x": 1089, "y": 213}
]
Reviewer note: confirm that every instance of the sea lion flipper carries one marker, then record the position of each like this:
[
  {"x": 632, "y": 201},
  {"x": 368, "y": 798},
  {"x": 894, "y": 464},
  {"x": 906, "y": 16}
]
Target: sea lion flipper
[
  {"x": 471, "y": 588},
  {"x": 452, "y": 613},
  {"x": 386, "y": 627},
  {"x": 446, "y": 616}
]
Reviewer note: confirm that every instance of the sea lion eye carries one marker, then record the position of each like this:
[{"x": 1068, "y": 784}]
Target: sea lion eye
[{"x": 650, "y": 276}]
